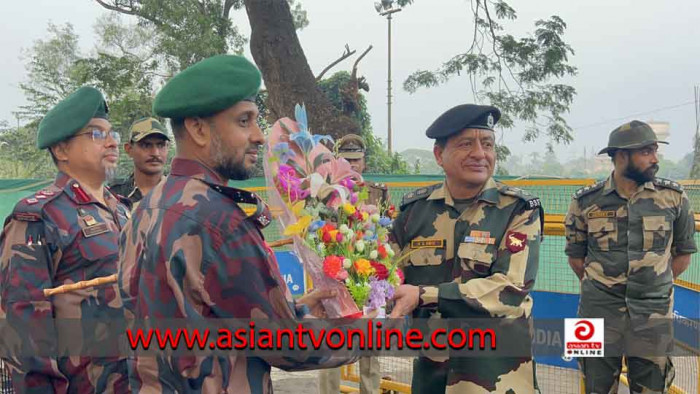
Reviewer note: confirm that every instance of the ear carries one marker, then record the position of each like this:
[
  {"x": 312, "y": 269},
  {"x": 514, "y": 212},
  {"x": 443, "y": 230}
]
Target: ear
[
  {"x": 437, "y": 151},
  {"x": 127, "y": 148},
  {"x": 60, "y": 151},
  {"x": 198, "y": 130}
]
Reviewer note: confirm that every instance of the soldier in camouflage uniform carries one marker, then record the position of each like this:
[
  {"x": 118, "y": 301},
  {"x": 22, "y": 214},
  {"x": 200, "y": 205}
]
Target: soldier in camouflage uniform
[
  {"x": 352, "y": 148},
  {"x": 474, "y": 246},
  {"x": 148, "y": 148},
  {"x": 64, "y": 234},
  {"x": 190, "y": 251},
  {"x": 627, "y": 238}
]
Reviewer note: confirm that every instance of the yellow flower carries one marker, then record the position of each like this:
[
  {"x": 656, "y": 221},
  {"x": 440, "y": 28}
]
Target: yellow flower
[
  {"x": 363, "y": 267},
  {"x": 298, "y": 207},
  {"x": 299, "y": 227},
  {"x": 349, "y": 208},
  {"x": 365, "y": 215}
]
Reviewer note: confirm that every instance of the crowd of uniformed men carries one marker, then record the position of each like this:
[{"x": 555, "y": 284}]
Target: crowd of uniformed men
[{"x": 183, "y": 247}]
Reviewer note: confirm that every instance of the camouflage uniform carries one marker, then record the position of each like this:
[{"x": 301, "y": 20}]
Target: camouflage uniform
[
  {"x": 61, "y": 235},
  {"x": 190, "y": 241},
  {"x": 127, "y": 188},
  {"x": 628, "y": 245},
  {"x": 477, "y": 263}
]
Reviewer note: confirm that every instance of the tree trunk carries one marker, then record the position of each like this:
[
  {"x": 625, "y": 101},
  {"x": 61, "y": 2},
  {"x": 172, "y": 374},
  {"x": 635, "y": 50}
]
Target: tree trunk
[{"x": 288, "y": 77}]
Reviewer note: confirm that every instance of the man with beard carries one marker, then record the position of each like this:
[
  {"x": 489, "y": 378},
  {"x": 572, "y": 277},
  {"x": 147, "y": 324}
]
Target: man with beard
[
  {"x": 627, "y": 238},
  {"x": 472, "y": 247},
  {"x": 148, "y": 148},
  {"x": 190, "y": 250},
  {"x": 65, "y": 233}
]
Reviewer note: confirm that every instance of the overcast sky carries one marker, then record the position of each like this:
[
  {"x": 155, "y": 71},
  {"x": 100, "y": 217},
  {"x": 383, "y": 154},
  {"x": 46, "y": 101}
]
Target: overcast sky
[{"x": 634, "y": 58}]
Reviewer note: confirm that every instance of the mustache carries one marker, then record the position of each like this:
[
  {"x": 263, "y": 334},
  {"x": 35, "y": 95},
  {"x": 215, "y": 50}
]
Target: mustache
[
  {"x": 154, "y": 160},
  {"x": 111, "y": 152}
]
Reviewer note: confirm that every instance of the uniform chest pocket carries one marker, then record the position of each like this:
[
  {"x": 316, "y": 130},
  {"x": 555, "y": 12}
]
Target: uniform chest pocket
[
  {"x": 475, "y": 258},
  {"x": 657, "y": 232},
  {"x": 426, "y": 256},
  {"x": 601, "y": 232}
]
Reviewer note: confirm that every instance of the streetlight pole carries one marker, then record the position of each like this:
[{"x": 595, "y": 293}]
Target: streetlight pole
[{"x": 388, "y": 14}]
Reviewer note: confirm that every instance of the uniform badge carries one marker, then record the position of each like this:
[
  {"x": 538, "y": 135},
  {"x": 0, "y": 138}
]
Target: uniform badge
[
  {"x": 480, "y": 237},
  {"x": 489, "y": 120},
  {"x": 427, "y": 243},
  {"x": 97, "y": 229},
  {"x": 27, "y": 216},
  {"x": 263, "y": 220},
  {"x": 89, "y": 220},
  {"x": 31, "y": 201},
  {"x": 601, "y": 214},
  {"x": 515, "y": 241}
]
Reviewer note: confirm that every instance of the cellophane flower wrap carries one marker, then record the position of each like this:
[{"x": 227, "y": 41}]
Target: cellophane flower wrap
[{"x": 342, "y": 241}]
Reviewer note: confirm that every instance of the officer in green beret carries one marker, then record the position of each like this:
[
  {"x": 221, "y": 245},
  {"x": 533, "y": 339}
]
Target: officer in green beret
[
  {"x": 190, "y": 240},
  {"x": 148, "y": 148},
  {"x": 628, "y": 237},
  {"x": 471, "y": 246},
  {"x": 63, "y": 234}
]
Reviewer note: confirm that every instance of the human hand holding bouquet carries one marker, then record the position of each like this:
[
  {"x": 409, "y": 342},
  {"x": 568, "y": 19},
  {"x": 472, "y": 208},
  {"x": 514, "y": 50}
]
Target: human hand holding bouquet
[{"x": 342, "y": 241}]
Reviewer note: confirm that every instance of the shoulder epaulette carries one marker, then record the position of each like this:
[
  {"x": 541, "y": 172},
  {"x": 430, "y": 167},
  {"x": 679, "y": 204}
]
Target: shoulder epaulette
[
  {"x": 418, "y": 194},
  {"x": 531, "y": 200},
  {"x": 589, "y": 189},
  {"x": 669, "y": 184},
  {"x": 29, "y": 208}
]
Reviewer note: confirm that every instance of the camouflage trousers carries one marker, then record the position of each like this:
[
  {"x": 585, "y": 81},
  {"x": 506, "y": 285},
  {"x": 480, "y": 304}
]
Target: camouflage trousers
[
  {"x": 370, "y": 377},
  {"x": 645, "y": 346},
  {"x": 472, "y": 375}
]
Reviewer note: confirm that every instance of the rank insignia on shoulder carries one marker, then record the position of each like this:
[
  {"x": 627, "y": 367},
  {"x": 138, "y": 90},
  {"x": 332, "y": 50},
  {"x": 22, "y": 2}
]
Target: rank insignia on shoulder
[
  {"x": 601, "y": 214},
  {"x": 515, "y": 241},
  {"x": 26, "y": 216},
  {"x": 427, "y": 243}
]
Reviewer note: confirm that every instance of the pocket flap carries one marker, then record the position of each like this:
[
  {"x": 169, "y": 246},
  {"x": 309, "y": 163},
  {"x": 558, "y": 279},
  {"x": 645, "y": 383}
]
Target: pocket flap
[
  {"x": 471, "y": 251},
  {"x": 601, "y": 225},
  {"x": 656, "y": 223},
  {"x": 425, "y": 256}
]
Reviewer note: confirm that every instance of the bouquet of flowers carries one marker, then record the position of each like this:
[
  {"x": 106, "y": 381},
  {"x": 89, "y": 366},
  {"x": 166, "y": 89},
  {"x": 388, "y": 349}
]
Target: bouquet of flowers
[{"x": 341, "y": 240}]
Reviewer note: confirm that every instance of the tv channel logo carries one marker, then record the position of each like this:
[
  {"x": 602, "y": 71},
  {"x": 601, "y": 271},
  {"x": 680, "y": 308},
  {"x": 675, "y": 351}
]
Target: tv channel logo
[{"x": 584, "y": 337}]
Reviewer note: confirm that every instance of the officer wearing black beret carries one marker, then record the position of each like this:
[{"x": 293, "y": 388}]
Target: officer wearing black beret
[{"x": 471, "y": 246}]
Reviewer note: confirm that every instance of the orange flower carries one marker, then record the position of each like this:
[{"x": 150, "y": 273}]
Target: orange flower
[{"x": 363, "y": 267}]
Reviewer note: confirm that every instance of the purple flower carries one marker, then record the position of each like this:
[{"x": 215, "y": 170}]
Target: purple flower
[
  {"x": 384, "y": 221},
  {"x": 380, "y": 291},
  {"x": 282, "y": 152}
]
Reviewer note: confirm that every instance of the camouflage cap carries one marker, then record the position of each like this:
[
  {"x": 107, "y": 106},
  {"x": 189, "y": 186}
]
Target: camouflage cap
[
  {"x": 632, "y": 135},
  {"x": 351, "y": 146},
  {"x": 144, "y": 127}
]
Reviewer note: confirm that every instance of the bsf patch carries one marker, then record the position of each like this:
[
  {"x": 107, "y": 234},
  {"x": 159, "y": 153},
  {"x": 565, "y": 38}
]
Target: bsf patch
[
  {"x": 427, "y": 243},
  {"x": 515, "y": 241},
  {"x": 601, "y": 214},
  {"x": 534, "y": 203}
]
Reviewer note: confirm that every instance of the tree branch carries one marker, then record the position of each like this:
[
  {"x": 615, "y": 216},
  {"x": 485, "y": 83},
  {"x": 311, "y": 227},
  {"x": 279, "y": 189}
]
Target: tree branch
[
  {"x": 116, "y": 8},
  {"x": 354, "y": 66},
  {"x": 345, "y": 55}
]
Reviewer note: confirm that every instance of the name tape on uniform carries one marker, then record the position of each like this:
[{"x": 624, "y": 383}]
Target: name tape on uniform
[
  {"x": 427, "y": 243},
  {"x": 602, "y": 214}
]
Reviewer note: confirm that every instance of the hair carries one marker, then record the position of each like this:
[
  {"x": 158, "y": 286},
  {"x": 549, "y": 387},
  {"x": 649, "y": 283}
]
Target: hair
[
  {"x": 441, "y": 142},
  {"x": 53, "y": 157},
  {"x": 178, "y": 126}
]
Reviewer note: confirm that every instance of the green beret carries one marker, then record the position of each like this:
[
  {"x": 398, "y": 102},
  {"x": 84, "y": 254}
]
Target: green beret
[
  {"x": 207, "y": 87},
  {"x": 71, "y": 115},
  {"x": 465, "y": 116}
]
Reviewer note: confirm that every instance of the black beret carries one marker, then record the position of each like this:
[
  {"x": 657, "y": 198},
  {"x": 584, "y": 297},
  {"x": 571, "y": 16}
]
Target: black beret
[
  {"x": 465, "y": 116},
  {"x": 70, "y": 115},
  {"x": 207, "y": 87}
]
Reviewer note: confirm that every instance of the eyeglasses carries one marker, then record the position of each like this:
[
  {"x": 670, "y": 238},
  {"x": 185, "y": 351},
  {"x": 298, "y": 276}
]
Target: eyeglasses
[{"x": 101, "y": 135}]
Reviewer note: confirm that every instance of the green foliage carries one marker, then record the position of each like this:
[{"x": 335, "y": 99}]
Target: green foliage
[
  {"x": 514, "y": 74},
  {"x": 19, "y": 157},
  {"x": 377, "y": 158}
]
